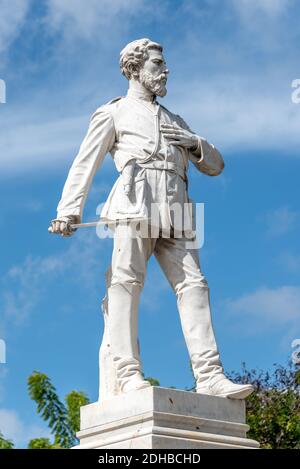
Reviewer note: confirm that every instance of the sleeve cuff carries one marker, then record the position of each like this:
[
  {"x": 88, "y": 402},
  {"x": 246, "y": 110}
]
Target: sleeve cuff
[
  {"x": 198, "y": 152},
  {"x": 64, "y": 213}
]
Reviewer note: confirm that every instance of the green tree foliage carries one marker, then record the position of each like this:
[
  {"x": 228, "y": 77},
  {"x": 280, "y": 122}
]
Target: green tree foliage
[
  {"x": 5, "y": 444},
  {"x": 153, "y": 381},
  {"x": 74, "y": 400},
  {"x": 273, "y": 410},
  {"x": 62, "y": 419},
  {"x": 40, "y": 443}
]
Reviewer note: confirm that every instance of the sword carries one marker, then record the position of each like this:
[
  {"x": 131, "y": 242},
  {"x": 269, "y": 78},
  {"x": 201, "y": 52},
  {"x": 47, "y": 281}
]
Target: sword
[{"x": 103, "y": 221}]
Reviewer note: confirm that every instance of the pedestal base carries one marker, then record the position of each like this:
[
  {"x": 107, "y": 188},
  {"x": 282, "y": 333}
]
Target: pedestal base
[{"x": 163, "y": 418}]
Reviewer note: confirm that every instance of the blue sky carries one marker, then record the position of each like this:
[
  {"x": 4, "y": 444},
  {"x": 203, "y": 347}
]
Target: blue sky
[{"x": 232, "y": 63}]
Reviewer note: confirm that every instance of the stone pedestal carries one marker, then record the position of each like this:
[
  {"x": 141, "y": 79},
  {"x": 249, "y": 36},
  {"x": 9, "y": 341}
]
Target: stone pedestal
[{"x": 163, "y": 418}]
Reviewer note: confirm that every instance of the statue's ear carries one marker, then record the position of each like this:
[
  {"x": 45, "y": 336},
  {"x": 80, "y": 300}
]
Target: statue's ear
[{"x": 133, "y": 70}]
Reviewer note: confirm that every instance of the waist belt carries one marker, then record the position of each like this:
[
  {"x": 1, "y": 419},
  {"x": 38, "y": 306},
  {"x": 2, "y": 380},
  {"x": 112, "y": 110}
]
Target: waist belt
[{"x": 164, "y": 166}]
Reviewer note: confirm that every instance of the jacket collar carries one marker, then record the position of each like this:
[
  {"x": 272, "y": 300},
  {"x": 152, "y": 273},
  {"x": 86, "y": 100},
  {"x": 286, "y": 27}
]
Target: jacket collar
[
  {"x": 152, "y": 105},
  {"x": 143, "y": 95}
]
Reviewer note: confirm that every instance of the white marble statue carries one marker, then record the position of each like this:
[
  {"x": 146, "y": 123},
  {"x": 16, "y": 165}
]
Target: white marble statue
[{"x": 151, "y": 148}]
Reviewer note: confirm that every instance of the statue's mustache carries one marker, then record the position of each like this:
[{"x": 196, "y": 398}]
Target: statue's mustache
[{"x": 161, "y": 78}]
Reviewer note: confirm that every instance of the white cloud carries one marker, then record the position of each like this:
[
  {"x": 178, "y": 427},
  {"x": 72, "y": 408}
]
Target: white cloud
[
  {"x": 239, "y": 114},
  {"x": 87, "y": 19},
  {"x": 268, "y": 306},
  {"x": 12, "y": 17},
  {"x": 10, "y": 424},
  {"x": 13, "y": 428},
  {"x": 22, "y": 287},
  {"x": 238, "y": 100},
  {"x": 30, "y": 146},
  {"x": 3, "y": 375},
  {"x": 287, "y": 338},
  {"x": 247, "y": 9},
  {"x": 291, "y": 262},
  {"x": 281, "y": 221},
  {"x": 31, "y": 205},
  {"x": 229, "y": 114}
]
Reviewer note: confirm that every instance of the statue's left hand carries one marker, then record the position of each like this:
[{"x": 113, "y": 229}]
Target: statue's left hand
[{"x": 175, "y": 135}]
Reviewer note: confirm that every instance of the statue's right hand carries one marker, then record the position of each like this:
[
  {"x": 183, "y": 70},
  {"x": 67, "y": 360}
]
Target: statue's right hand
[{"x": 62, "y": 225}]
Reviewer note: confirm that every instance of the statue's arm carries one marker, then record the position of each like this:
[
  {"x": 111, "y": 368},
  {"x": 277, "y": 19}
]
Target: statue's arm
[
  {"x": 207, "y": 158},
  {"x": 98, "y": 141}
]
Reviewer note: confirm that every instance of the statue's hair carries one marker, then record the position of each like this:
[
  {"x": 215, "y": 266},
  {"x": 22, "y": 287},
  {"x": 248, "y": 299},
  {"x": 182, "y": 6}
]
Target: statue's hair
[{"x": 133, "y": 56}]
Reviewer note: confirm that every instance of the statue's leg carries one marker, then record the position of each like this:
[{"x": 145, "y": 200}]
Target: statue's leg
[
  {"x": 129, "y": 261},
  {"x": 182, "y": 268},
  {"x": 108, "y": 382}
]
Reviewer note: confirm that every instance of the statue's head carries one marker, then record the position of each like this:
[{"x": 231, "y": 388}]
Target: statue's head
[{"x": 143, "y": 60}]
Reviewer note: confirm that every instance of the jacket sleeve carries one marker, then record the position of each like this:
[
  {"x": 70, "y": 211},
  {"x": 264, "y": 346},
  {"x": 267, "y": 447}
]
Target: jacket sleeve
[
  {"x": 98, "y": 141},
  {"x": 205, "y": 157}
]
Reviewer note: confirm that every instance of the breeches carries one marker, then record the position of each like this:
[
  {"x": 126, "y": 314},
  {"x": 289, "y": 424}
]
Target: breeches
[{"x": 180, "y": 264}]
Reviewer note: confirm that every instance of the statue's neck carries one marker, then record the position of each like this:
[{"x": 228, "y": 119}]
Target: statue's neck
[{"x": 137, "y": 90}]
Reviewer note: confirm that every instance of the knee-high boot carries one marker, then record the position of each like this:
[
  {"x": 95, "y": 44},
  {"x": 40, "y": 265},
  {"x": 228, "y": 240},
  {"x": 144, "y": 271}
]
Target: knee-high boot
[
  {"x": 122, "y": 329},
  {"x": 195, "y": 316},
  {"x": 194, "y": 309}
]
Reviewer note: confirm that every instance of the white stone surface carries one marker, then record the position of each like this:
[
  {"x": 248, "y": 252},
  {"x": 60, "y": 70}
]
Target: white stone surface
[
  {"x": 151, "y": 148},
  {"x": 164, "y": 418}
]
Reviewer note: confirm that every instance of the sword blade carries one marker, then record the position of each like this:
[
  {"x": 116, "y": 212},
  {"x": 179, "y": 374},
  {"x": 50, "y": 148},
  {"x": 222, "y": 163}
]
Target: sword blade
[{"x": 107, "y": 221}]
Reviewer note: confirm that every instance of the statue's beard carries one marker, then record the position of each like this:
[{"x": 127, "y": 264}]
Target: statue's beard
[{"x": 156, "y": 85}]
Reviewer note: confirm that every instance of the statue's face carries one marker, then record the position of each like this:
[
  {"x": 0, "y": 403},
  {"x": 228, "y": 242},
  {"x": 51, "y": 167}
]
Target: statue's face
[{"x": 153, "y": 74}]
